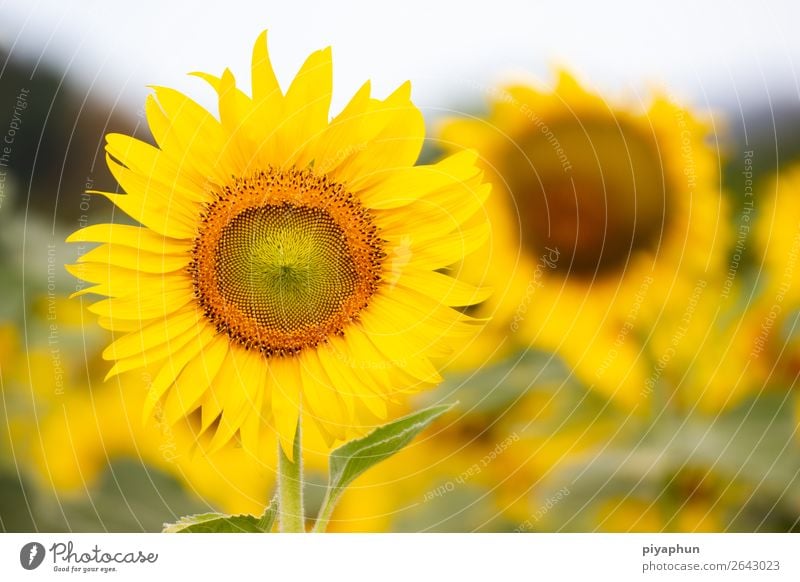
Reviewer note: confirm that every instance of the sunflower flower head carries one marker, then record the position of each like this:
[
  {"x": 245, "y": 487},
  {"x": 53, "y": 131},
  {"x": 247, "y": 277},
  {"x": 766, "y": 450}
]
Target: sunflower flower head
[
  {"x": 285, "y": 263},
  {"x": 602, "y": 210}
]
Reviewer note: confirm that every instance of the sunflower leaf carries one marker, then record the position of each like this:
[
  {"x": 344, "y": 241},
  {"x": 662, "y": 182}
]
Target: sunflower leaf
[
  {"x": 351, "y": 459},
  {"x": 221, "y": 523}
]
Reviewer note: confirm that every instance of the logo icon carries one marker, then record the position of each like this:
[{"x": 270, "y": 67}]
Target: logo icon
[{"x": 31, "y": 555}]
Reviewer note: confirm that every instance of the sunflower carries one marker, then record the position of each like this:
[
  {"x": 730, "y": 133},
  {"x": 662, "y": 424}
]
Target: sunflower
[
  {"x": 554, "y": 427},
  {"x": 285, "y": 263},
  {"x": 12, "y": 401},
  {"x": 580, "y": 465},
  {"x": 692, "y": 500},
  {"x": 716, "y": 354},
  {"x": 777, "y": 238},
  {"x": 599, "y": 211}
]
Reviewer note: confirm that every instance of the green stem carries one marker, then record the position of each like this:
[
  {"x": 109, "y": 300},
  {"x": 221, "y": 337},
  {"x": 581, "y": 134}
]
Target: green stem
[
  {"x": 328, "y": 504},
  {"x": 290, "y": 487}
]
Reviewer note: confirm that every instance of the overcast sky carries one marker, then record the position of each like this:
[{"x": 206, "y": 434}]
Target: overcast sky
[{"x": 706, "y": 52}]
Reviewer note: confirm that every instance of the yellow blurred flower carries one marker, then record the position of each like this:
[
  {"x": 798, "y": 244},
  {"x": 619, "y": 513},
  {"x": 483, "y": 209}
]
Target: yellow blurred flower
[
  {"x": 777, "y": 237},
  {"x": 581, "y": 465},
  {"x": 555, "y": 427},
  {"x": 715, "y": 353},
  {"x": 99, "y": 423},
  {"x": 689, "y": 501},
  {"x": 9, "y": 344},
  {"x": 10, "y": 403},
  {"x": 600, "y": 210}
]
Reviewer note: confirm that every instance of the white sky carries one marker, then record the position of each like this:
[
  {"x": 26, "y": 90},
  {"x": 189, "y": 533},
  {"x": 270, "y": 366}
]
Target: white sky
[{"x": 706, "y": 52}]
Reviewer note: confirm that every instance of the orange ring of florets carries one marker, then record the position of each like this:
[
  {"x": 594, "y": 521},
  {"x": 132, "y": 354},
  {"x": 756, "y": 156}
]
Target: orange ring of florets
[{"x": 311, "y": 203}]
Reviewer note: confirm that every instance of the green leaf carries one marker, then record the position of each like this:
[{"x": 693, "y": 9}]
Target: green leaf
[
  {"x": 270, "y": 515},
  {"x": 221, "y": 523},
  {"x": 350, "y": 460}
]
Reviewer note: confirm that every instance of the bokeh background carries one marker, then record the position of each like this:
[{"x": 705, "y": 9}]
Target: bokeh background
[{"x": 673, "y": 410}]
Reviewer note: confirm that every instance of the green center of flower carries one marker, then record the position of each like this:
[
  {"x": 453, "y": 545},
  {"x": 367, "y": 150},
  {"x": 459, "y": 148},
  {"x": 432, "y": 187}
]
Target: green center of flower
[
  {"x": 285, "y": 259},
  {"x": 285, "y": 266}
]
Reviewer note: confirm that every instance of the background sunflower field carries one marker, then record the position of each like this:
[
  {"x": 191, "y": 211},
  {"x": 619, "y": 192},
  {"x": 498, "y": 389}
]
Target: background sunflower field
[{"x": 639, "y": 367}]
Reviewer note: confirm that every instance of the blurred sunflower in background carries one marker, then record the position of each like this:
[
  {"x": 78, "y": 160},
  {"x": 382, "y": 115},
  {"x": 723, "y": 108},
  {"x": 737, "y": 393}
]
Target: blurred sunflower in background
[
  {"x": 732, "y": 337},
  {"x": 777, "y": 237},
  {"x": 777, "y": 242},
  {"x": 600, "y": 211}
]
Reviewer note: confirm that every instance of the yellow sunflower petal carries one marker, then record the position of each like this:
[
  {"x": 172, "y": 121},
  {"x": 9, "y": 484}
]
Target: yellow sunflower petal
[
  {"x": 145, "y": 159},
  {"x": 236, "y": 387},
  {"x": 251, "y": 427},
  {"x": 154, "y": 334},
  {"x": 265, "y": 84},
  {"x": 306, "y": 107},
  {"x": 395, "y": 349},
  {"x": 239, "y": 121},
  {"x": 348, "y": 378},
  {"x": 406, "y": 185},
  {"x": 437, "y": 214},
  {"x": 116, "y": 281},
  {"x": 234, "y": 105},
  {"x": 195, "y": 378},
  {"x": 448, "y": 290},
  {"x": 285, "y": 382},
  {"x": 143, "y": 308},
  {"x": 323, "y": 401},
  {"x": 447, "y": 250},
  {"x": 154, "y": 203},
  {"x": 173, "y": 366},
  {"x": 131, "y": 236},
  {"x": 125, "y": 256},
  {"x": 192, "y": 135},
  {"x": 397, "y": 144},
  {"x": 152, "y": 355}
]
